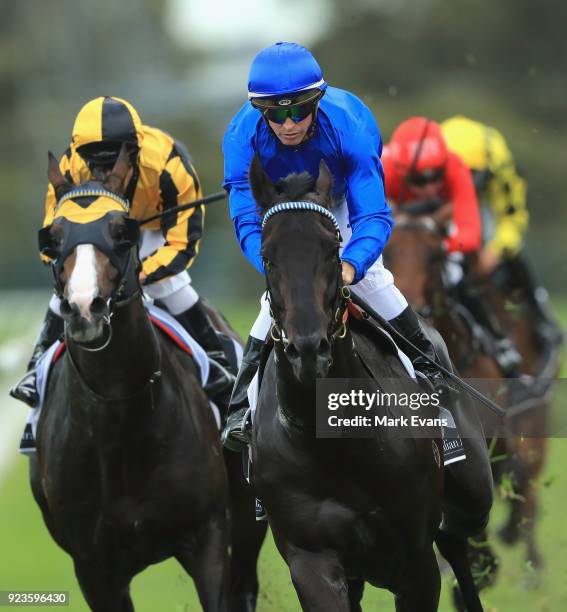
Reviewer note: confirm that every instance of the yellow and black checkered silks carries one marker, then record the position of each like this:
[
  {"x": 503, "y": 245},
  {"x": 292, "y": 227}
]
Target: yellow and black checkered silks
[
  {"x": 484, "y": 148},
  {"x": 163, "y": 178}
]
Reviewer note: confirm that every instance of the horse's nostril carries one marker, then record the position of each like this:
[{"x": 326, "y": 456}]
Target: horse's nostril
[
  {"x": 66, "y": 308},
  {"x": 98, "y": 307},
  {"x": 291, "y": 351},
  {"x": 324, "y": 348}
]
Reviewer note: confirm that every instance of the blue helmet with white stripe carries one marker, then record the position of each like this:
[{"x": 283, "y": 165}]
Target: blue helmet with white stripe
[{"x": 284, "y": 69}]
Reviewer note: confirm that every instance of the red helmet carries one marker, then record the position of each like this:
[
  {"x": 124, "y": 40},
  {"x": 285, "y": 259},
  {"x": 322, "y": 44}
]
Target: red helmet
[{"x": 417, "y": 146}]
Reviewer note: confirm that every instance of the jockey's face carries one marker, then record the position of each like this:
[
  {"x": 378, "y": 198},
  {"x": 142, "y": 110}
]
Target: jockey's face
[
  {"x": 291, "y": 133},
  {"x": 428, "y": 191}
]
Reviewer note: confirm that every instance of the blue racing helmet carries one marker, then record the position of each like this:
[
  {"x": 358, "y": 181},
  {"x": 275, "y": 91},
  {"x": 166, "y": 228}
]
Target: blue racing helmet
[{"x": 284, "y": 69}]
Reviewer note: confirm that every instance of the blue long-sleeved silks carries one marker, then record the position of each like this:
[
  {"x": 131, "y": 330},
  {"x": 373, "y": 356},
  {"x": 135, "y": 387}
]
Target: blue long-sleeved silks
[{"x": 347, "y": 138}]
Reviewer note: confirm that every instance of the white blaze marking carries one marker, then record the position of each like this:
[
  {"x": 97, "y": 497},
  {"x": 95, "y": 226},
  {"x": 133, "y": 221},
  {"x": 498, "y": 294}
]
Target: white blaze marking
[{"x": 82, "y": 288}]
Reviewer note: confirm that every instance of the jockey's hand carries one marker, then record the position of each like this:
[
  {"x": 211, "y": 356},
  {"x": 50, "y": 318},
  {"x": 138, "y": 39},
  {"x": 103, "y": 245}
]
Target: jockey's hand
[
  {"x": 142, "y": 277},
  {"x": 487, "y": 261},
  {"x": 348, "y": 273}
]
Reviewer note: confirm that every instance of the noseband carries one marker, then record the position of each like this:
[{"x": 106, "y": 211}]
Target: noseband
[{"x": 337, "y": 325}]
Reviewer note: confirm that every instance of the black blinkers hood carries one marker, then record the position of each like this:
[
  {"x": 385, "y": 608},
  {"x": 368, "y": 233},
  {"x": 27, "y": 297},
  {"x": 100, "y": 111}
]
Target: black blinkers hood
[{"x": 119, "y": 241}]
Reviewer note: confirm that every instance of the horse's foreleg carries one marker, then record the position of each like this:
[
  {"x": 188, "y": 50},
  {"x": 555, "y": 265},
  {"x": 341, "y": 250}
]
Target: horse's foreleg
[
  {"x": 247, "y": 536},
  {"x": 527, "y": 458},
  {"x": 455, "y": 550},
  {"x": 421, "y": 587},
  {"x": 101, "y": 590},
  {"x": 355, "y": 593},
  {"x": 533, "y": 454},
  {"x": 205, "y": 558},
  {"x": 319, "y": 580}
]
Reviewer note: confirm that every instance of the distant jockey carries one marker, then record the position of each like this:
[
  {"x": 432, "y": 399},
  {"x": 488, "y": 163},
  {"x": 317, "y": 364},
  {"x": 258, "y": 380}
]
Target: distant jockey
[
  {"x": 161, "y": 177},
  {"x": 502, "y": 193},
  {"x": 293, "y": 120},
  {"x": 420, "y": 168}
]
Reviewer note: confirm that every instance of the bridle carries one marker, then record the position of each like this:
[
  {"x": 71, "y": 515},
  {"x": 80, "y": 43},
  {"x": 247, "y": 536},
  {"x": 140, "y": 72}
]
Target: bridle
[
  {"x": 122, "y": 252},
  {"x": 337, "y": 325}
]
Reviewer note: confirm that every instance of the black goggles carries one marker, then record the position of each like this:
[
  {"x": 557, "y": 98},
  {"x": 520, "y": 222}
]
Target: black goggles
[
  {"x": 297, "y": 107},
  {"x": 105, "y": 154},
  {"x": 425, "y": 178},
  {"x": 295, "y": 113}
]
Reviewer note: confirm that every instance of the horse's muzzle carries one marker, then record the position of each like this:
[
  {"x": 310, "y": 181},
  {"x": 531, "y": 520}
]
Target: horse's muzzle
[
  {"x": 82, "y": 329},
  {"x": 309, "y": 356}
]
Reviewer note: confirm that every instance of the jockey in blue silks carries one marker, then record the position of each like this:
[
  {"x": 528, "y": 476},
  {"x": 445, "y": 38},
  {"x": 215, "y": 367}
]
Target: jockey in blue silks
[{"x": 293, "y": 120}]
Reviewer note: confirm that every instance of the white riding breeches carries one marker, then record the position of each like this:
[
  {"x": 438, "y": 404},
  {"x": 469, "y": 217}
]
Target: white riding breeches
[
  {"x": 377, "y": 287},
  {"x": 453, "y": 272},
  {"x": 176, "y": 292}
]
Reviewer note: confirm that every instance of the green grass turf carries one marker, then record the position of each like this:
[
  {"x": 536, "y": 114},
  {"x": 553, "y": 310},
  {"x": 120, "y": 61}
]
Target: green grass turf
[{"x": 30, "y": 560}]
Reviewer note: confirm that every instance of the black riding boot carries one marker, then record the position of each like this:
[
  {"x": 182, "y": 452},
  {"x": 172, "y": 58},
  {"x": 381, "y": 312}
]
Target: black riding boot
[
  {"x": 408, "y": 325},
  {"x": 197, "y": 322},
  {"x": 52, "y": 329},
  {"x": 506, "y": 354},
  {"x": 234, "y": 435}
]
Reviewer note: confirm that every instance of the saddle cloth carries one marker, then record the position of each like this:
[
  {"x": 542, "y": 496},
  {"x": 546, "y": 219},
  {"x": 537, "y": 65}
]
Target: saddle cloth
[{"x": 163, "y": 321}]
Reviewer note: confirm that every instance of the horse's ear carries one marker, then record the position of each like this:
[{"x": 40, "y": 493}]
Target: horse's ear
[
  {"x": 55, "y": 176},
  {"x": 324, "y": 183},
  {"x": 116, "y": 180},
  {"x": 263, "y": 189}
]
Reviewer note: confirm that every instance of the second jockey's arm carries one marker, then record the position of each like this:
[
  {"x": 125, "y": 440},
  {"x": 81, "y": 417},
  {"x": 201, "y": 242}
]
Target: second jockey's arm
[
  {"x": 183, "y": 232},
  {"x": 466, "y": 237},
  {"x": 246, "y": 221}
]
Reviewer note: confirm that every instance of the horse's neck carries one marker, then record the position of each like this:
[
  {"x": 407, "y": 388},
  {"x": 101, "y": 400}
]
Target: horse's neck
[
  {"x": 130, "y": 359},
  {"x": 297, "y": 401}
]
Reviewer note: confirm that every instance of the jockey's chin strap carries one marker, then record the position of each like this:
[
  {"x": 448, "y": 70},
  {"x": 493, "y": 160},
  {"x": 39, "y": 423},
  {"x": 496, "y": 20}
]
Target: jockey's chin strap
[{"x": 337, "y": 325}]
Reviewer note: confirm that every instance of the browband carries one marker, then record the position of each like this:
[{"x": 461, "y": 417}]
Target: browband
[
  {"x": 90, "y": 193},
  {"x": 300, "y": 206}
]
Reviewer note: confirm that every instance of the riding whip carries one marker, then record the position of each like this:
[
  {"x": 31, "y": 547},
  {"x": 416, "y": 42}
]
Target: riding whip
[
  {"x": 214, "y": 197},
  {"x": 405, "y": 342}
]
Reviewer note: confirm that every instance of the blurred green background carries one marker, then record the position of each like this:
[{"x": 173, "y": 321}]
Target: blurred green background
[{"x": 183, "y": 64}]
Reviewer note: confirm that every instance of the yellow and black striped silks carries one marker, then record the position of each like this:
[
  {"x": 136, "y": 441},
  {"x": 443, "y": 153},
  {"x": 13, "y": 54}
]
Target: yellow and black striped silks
[
  {"x": 163, "y": 178},
  {"x": 484, "y": 148}
]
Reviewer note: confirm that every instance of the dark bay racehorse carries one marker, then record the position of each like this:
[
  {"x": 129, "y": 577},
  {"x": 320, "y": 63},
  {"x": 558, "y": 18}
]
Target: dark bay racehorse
[
  {"x": 525, "y": 455},
  {"x": 416, "y": 256},
  {"x": 129, "y": 469},
  {"x": 342, "y": 511}
]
